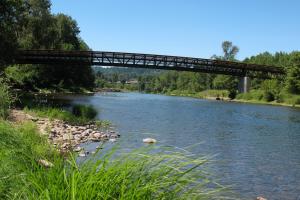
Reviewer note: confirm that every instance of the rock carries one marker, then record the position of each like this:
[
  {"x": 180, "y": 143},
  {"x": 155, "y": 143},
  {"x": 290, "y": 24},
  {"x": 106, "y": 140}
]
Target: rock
[
  {"x": 77, "y": 149},
  {"x": 99, "y": 147},
  {"x": 64, "y": 145},
  {"x": 82, "y": 154},
  {"x": 97, "y": 135},
  {"x": 77, "y": 137},
  {"x": 260, "y": 198},
  {"x": 34, "y": 119},
  {"x": 85, "y": 133},
  {"x": 45, "y": 163},
  {"x": 68, "y": 137},
  {"x": 149, "y": 140},
  {"x": 76, "y": 133},
  {"x": 112, "y": 139},
  {"x": 95, "y": 139},
  {"x": 104, "y": 136},
  {"x": 114, "y": 136}
]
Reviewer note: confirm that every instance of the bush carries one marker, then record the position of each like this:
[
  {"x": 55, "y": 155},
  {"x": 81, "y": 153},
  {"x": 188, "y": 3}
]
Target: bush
[
  {"x": 232, "y": 94},
  {"x": 5, "y": 99},
  {"x": 269, "y": 96},
  {"x": 59, "y": 113},
  {"x": 83, "y": 111}
]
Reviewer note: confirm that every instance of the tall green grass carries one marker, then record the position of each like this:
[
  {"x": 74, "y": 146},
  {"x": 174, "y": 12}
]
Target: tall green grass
[
  {"x": 141, "y": 174},
  {"x": 263, "y": 96},
  {"x": 6, "y": 99},
  {"x": 80, "y": 114}
]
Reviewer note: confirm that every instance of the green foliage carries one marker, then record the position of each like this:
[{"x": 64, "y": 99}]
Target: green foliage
[
  {"x": 30, "y": 25},
  {"x": 84, "y": 111},
  {"x": 148, "y": 173},
  {"x": 229, "y": 50},
  {"x": 6, "y": 99},
  {"x": 11, "y": 21},
  {"x": 293, "y": 78},
  {"x": 84, "y": 117},
  {"x": 252, "y": 95},
  {"x": 268, "y": 96},
  {"x": 232, "y": 94}
]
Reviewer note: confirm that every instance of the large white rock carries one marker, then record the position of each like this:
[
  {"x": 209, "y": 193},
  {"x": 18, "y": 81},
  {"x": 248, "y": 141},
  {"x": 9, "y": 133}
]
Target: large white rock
[{"x": 149, "y": 140}]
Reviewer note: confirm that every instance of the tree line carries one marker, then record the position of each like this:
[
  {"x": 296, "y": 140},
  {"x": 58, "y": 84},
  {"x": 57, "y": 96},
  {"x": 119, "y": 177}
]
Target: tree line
[
  {"x": 192, "y": 82},
  {"x": 29, "y": 24}
]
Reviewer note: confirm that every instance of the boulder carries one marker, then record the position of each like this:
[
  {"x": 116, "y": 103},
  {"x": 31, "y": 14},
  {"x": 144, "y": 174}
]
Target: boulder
[
  {"x": 149, "y": 140},
  {"x": 260, "y": 198}
]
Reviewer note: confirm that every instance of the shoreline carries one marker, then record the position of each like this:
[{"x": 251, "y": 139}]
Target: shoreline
[
  {"x": 226, "y": 99},
  {"x": 62, "y": 135}
]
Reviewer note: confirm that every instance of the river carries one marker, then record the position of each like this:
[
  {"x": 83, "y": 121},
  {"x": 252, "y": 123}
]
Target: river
[{"x": 256, "y": 148}]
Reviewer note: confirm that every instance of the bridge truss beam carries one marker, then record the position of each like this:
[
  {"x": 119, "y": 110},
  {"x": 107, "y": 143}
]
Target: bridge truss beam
[{"x": 150, "y": 61}]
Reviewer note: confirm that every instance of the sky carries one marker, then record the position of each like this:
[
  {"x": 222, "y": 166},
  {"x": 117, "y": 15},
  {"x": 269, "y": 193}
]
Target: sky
[{"x": 193, "y": 28}]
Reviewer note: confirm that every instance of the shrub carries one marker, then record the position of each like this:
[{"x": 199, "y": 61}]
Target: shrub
[
  {"x": 297, "y": 101},
  {"x": 87, "y": 112},
  {"x": 269, "y": 96},
  {"x": 232, "y": 94},
  {"x": 5, "y": 99}
]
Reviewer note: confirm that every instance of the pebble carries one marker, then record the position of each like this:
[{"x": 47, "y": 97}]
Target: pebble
[
  {"x": 67, "y": 137},
  {"x": 81, "y": 155},
  {"x": 97, "y": 135},
  {"x": 45, "y": 163},
  {"x": 112, "y": 139},
  {"x": 77, "y": 149}
]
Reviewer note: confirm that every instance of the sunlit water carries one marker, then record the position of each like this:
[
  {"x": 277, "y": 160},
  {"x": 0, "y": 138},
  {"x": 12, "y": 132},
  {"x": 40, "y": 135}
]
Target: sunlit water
[{"x": 256, "y": 147}]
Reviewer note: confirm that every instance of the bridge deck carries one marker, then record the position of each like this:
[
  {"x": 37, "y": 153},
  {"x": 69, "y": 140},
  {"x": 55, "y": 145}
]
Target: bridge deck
[{"x": 152, "y": 61}]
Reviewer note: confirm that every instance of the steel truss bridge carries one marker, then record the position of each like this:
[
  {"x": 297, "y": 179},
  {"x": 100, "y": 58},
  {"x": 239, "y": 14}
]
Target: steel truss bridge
[{"x": 151, "y": 61}]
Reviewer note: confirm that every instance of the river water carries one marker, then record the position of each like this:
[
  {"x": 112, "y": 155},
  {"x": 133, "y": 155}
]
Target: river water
[{"x": 256, "y": 148}]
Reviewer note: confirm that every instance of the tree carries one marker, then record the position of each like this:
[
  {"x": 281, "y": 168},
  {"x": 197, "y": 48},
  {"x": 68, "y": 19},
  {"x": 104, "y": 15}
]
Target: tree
[
  {"x": 229, "y": 50},
  {"x": 293, "y": 76},
  {"x": 225, "y": 81},
  {"x": 39, "y": 29},
  {"x": 11, "y": 20}
]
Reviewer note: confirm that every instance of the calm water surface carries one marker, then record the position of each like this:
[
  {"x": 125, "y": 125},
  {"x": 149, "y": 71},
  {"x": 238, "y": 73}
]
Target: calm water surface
[{"x": 257, "y": 147}]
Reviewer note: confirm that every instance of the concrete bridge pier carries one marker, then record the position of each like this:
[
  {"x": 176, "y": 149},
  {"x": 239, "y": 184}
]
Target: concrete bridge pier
[{"x": 244, "y": 84}]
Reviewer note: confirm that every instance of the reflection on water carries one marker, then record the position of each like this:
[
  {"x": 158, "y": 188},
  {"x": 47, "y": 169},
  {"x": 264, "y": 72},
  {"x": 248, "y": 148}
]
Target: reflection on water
[{"x": 257, "y": 146}]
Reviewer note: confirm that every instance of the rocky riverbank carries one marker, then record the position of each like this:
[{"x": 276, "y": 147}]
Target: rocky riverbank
[{"x": 66, "y": 137}]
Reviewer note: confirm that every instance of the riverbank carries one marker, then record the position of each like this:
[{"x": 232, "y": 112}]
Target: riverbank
[
  {"x": 222, "y": 95},
  {"x": 31, "y": 167},
  {"x": 63, "y": 135}
]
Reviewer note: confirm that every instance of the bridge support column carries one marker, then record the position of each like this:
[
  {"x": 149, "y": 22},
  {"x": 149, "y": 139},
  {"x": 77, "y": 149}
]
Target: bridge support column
[{"x": 244, "y": 84}]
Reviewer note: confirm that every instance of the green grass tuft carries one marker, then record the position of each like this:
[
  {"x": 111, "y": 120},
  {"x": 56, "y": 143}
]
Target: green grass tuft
[{"x": 82, "y": 115}]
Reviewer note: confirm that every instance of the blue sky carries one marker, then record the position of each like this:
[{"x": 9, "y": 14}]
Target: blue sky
[{"x": 186, "y": 27}]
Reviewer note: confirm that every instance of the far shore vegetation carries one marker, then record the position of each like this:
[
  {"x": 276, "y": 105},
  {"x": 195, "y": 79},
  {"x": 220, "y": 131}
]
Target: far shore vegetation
[{"x": 278, "y": 91}]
